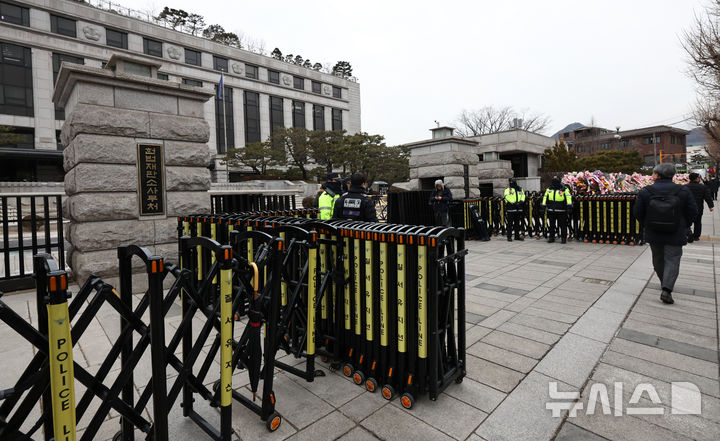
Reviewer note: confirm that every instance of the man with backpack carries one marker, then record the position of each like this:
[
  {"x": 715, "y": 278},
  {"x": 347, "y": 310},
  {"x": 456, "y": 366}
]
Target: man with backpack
[{"x": 665, "y": 209}]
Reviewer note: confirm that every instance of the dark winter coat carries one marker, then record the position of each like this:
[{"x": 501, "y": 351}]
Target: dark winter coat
[
  {"x": 664, "y": 186},
  {"x": 355, "y": 205},
  {"x": 701, "y": 193},
  {"x": 442, "y": 205}
]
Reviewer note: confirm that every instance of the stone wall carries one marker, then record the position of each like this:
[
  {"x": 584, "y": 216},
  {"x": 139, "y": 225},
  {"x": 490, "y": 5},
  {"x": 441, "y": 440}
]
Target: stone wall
[
  {"x": 108, "y": 114},
  {"x": 495, "y": 173},
  {"x": 450, "y": 166}
]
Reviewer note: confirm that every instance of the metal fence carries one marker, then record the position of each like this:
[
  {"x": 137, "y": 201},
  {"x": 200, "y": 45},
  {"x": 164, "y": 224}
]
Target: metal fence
[
  {"x": 31, "y": 224},
  {"x": 233, "y": 203}
]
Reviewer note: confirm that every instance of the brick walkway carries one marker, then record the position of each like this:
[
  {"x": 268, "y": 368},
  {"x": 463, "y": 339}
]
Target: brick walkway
[{"x": 538, "y": 313}]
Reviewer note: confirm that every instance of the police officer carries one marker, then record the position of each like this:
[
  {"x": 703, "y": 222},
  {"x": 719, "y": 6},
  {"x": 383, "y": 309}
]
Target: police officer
[
  {"x": 355, "y": 204},
  {"x": 557, "y": 201},
  {"x": 332, "y": 191},
  {"x": 514, "y": 206}
]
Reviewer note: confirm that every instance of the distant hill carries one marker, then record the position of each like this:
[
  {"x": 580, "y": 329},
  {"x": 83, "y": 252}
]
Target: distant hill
[
  {"x": 696, "y": 137},
  {"x": 568, "y": 128}
]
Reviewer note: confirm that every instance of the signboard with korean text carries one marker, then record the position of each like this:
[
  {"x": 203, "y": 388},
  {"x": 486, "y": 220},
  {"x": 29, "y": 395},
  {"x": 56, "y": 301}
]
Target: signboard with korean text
[{"x": 151, "y": 179}]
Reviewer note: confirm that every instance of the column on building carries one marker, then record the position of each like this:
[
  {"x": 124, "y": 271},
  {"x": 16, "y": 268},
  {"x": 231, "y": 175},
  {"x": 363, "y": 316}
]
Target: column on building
[
  {"x": 328, "y": 118},
  {"x": 43, "y": 108},
  {"x": 288, "y": 112},
  {"x": 264, "y": 117},
  {"x": 239, "y": 117},
  {"x": 309, "y": 112}
]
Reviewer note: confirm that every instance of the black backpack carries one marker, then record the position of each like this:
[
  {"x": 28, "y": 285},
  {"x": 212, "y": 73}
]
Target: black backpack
[{"x": 664, "y": 211}]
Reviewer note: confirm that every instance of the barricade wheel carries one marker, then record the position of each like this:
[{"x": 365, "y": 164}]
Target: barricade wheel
[
  {"x": 407, "y": 401},
  {"x": 273, "y": 422},
  {"x": 216, "y": 386},
  {"x": 118, "y": 436},
  {"x": 348, "y": 370},
  {"x": 358, "y": 377},
  {"x": 459, "y": 380},
  {"x": 323, "y": 358},
  {"x": 371, "y": 385},
  {"x": 388, "y": 392}
]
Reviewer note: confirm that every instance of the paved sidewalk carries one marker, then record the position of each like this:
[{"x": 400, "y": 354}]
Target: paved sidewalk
[{"x": 538, "y": 313}]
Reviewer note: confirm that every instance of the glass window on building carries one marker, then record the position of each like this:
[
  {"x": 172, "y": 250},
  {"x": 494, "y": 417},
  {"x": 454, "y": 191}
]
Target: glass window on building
[
  {"x": 277, "y": 118},
  {"x": 337, "y": 92},
  {"x": 191, "y": 82},
  {"x": 299, "y": 83},
  {"x": 316, "y": 87},
  {"x": 163, "y": 76},
  {"x": 337, "y": 119},
  {"x": 251, "y": 71},
  {"x": 14, "y": 14},
  {"x": 17, "y": 137},
  {"x": 298, "y": 115},
  {"x": 251, "y": 106},
  {"x": 220, "y": 63},
  {"x": 274, "y": 76},
  {"x": 57, "y": 61},
  {"x": 193, "y": 57},
  {"x": 63, "y": 26},
  {"x": 318, "y": 117},
  {"x": 115, "y": 38},
  {"x": 152, "y": 47},
  {"x": 224, "y": 107},
  {"x": 16, "y": 85}
]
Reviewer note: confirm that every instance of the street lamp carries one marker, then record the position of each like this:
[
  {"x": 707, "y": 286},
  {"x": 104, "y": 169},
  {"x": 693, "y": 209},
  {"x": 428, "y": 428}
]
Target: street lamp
[{"x": 617, "y": 136}]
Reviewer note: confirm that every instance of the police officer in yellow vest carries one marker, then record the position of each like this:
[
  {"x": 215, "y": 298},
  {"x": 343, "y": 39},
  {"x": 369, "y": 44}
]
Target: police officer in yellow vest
[
  {"x": 514, "y": 197},
  {"x": 558, "y": 202},
  {"x": 326, "y": 201}
]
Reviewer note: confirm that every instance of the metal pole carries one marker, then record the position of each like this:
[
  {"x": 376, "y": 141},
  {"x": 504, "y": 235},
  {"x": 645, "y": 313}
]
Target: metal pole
[
  {"x": 654, "y": 148},
  {"x": 227, "y": 167}
]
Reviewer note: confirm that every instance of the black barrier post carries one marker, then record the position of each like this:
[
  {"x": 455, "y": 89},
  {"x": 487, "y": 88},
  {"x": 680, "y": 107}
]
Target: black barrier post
[
  {"x": 155, "y": 269},
  {"x": 127, "y": 430}
]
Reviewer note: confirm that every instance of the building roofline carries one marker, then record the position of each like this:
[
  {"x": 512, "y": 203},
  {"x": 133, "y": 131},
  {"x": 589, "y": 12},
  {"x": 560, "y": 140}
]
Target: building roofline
[{"x": 436, "y": 141}]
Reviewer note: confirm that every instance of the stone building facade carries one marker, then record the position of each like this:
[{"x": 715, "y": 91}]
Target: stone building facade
[{"x": 261, "y": 92}]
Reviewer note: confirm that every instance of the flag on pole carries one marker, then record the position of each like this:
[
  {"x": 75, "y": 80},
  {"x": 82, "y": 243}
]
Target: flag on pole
[{"x": 220, "y": 88}]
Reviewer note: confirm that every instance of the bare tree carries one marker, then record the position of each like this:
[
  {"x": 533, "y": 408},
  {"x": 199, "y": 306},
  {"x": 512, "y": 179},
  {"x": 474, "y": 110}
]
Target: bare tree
[{"x": 490, "y": 119}]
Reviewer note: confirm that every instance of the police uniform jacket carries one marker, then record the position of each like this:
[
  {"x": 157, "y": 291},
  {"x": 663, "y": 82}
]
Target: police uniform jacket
[
  {"x": 557, "y": 199},
  {"x": 355, "y": 205}
]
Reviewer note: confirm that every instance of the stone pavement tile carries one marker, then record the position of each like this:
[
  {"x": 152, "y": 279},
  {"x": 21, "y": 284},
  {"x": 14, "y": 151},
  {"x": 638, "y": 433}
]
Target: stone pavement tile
[
  {"x": 476, "y": 394},
  {"x": 492, "y": 374},
  {"x": 552, "y": 315},
  {"x": 523, "y": 415},
  {"x": 533, "y": 334},
  {"x": 697, "y": 299},
  {"x": 576, "y": 295},
  {"x": 474, "y": 318},
  {"x": 447, "y": 414},
  {"x": 329, "y": 427},
  {"x": 669, "y": 345},
  {"x": 363, "y": 405},
  {"x": 520, "y": 304},
  {"x": 571, "y": 359},
  {"x": 389, "y": 422},
  {"x": 494, "y": 295},
  {"x": 679, "y": 326},
  {"x": 474, "y": 334},
  {"x": 487, "y": 301},
  {"x": 540, "y": 323},
  {"x": 571, "y": 432},
  {"x": 479, "y": 309},
  {"x": 358, "y": 434},
  {"x": 538, "y": 292},
  {"x": 625, "y": 428},
  {"x": 673, "y": 334},
  {"x": 616, "y": 300},
  {"x": 666, "y": 358},
  {"x": 582, "y": 303},
  {"x": 497, "y": 319},
  {"x": 598, "y": 324},
  {"x": 663, "y": 311},
  {"x": 548, "y": 305},
  {"x": 516, "y": 344},
  {"x": 333, "y": 387},
  {"x": 689, "y": 308},
  {"x": 502, "y": 357}
]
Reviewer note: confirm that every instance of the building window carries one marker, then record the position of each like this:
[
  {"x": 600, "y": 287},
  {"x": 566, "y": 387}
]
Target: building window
[
  {"x": 162, "y": 76},
  {"x": 193, "y": 57},
  {"x": 252, "y": 117},
  {"x": 251, "y": 71},
  {"x": 18, "y": 137},
  {"x": 191, "y": 82},
  {"x": 604, "y": 146},
  {"x": 14, "y": 14},
  {"x": 16, "y": 90},
  {"x": 337, "y": 92},
  {"x": 224, "y": 107},
  {"x": 337, "y": 119},
  {"x": 649, "y": 140},
  {"x": 277, "y": 118},
  {"x": 116, "y": 38},
  {"x": 57, "y": 60},
  {"x": 672, "y": 139},
  {"x": 152, "y": 47},
  {"x": 220, "y": 64},
  {"x": 274, "y": 76},
  {"x": 63, "y": 26},
  {"x": 299, "y": 83},
  {"x": 298, "y": 115},
  {"x": 316, "y": 87},
  {"x": 318, "y": 117}
]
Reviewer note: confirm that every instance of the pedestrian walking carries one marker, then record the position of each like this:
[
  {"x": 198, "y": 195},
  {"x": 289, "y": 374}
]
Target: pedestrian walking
[
  {"x": 715, "y": 184},
  {"x": 514, "y": 197},
  {"x": 701, "y": 194},
  {"x": 665, "y": 209},
  {"x": 440, "y": 201},
  {"x": 557, "y": 202},
  {"x": 331, "y": 192},
  {"x": 355, "y": 204}
]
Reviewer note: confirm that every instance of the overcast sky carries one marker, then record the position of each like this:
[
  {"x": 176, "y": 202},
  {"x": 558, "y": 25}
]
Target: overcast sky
[{"x": 617, "y": 61}]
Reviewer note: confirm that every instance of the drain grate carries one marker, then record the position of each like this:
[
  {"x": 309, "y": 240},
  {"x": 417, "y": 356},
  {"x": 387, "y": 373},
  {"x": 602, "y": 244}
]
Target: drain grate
[{"x": 598, "y": 281}]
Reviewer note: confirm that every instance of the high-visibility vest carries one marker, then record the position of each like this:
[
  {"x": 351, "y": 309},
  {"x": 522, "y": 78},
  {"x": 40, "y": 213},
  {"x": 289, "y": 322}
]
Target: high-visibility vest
[
  {"x": 512, "y": 196},
  {"x": 557, "y": 196},
  {"x": 326, "y": 204}
]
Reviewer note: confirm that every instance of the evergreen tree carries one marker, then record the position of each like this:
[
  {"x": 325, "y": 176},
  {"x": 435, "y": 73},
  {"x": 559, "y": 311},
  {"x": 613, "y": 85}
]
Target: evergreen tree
[
  {"x": 342, "y": 69},
  {"x": 276, "y": 54}
]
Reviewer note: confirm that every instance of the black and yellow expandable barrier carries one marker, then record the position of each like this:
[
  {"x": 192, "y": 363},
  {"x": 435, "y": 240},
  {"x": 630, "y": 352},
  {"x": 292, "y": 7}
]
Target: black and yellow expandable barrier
[{"x": 378, "y": 300}]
